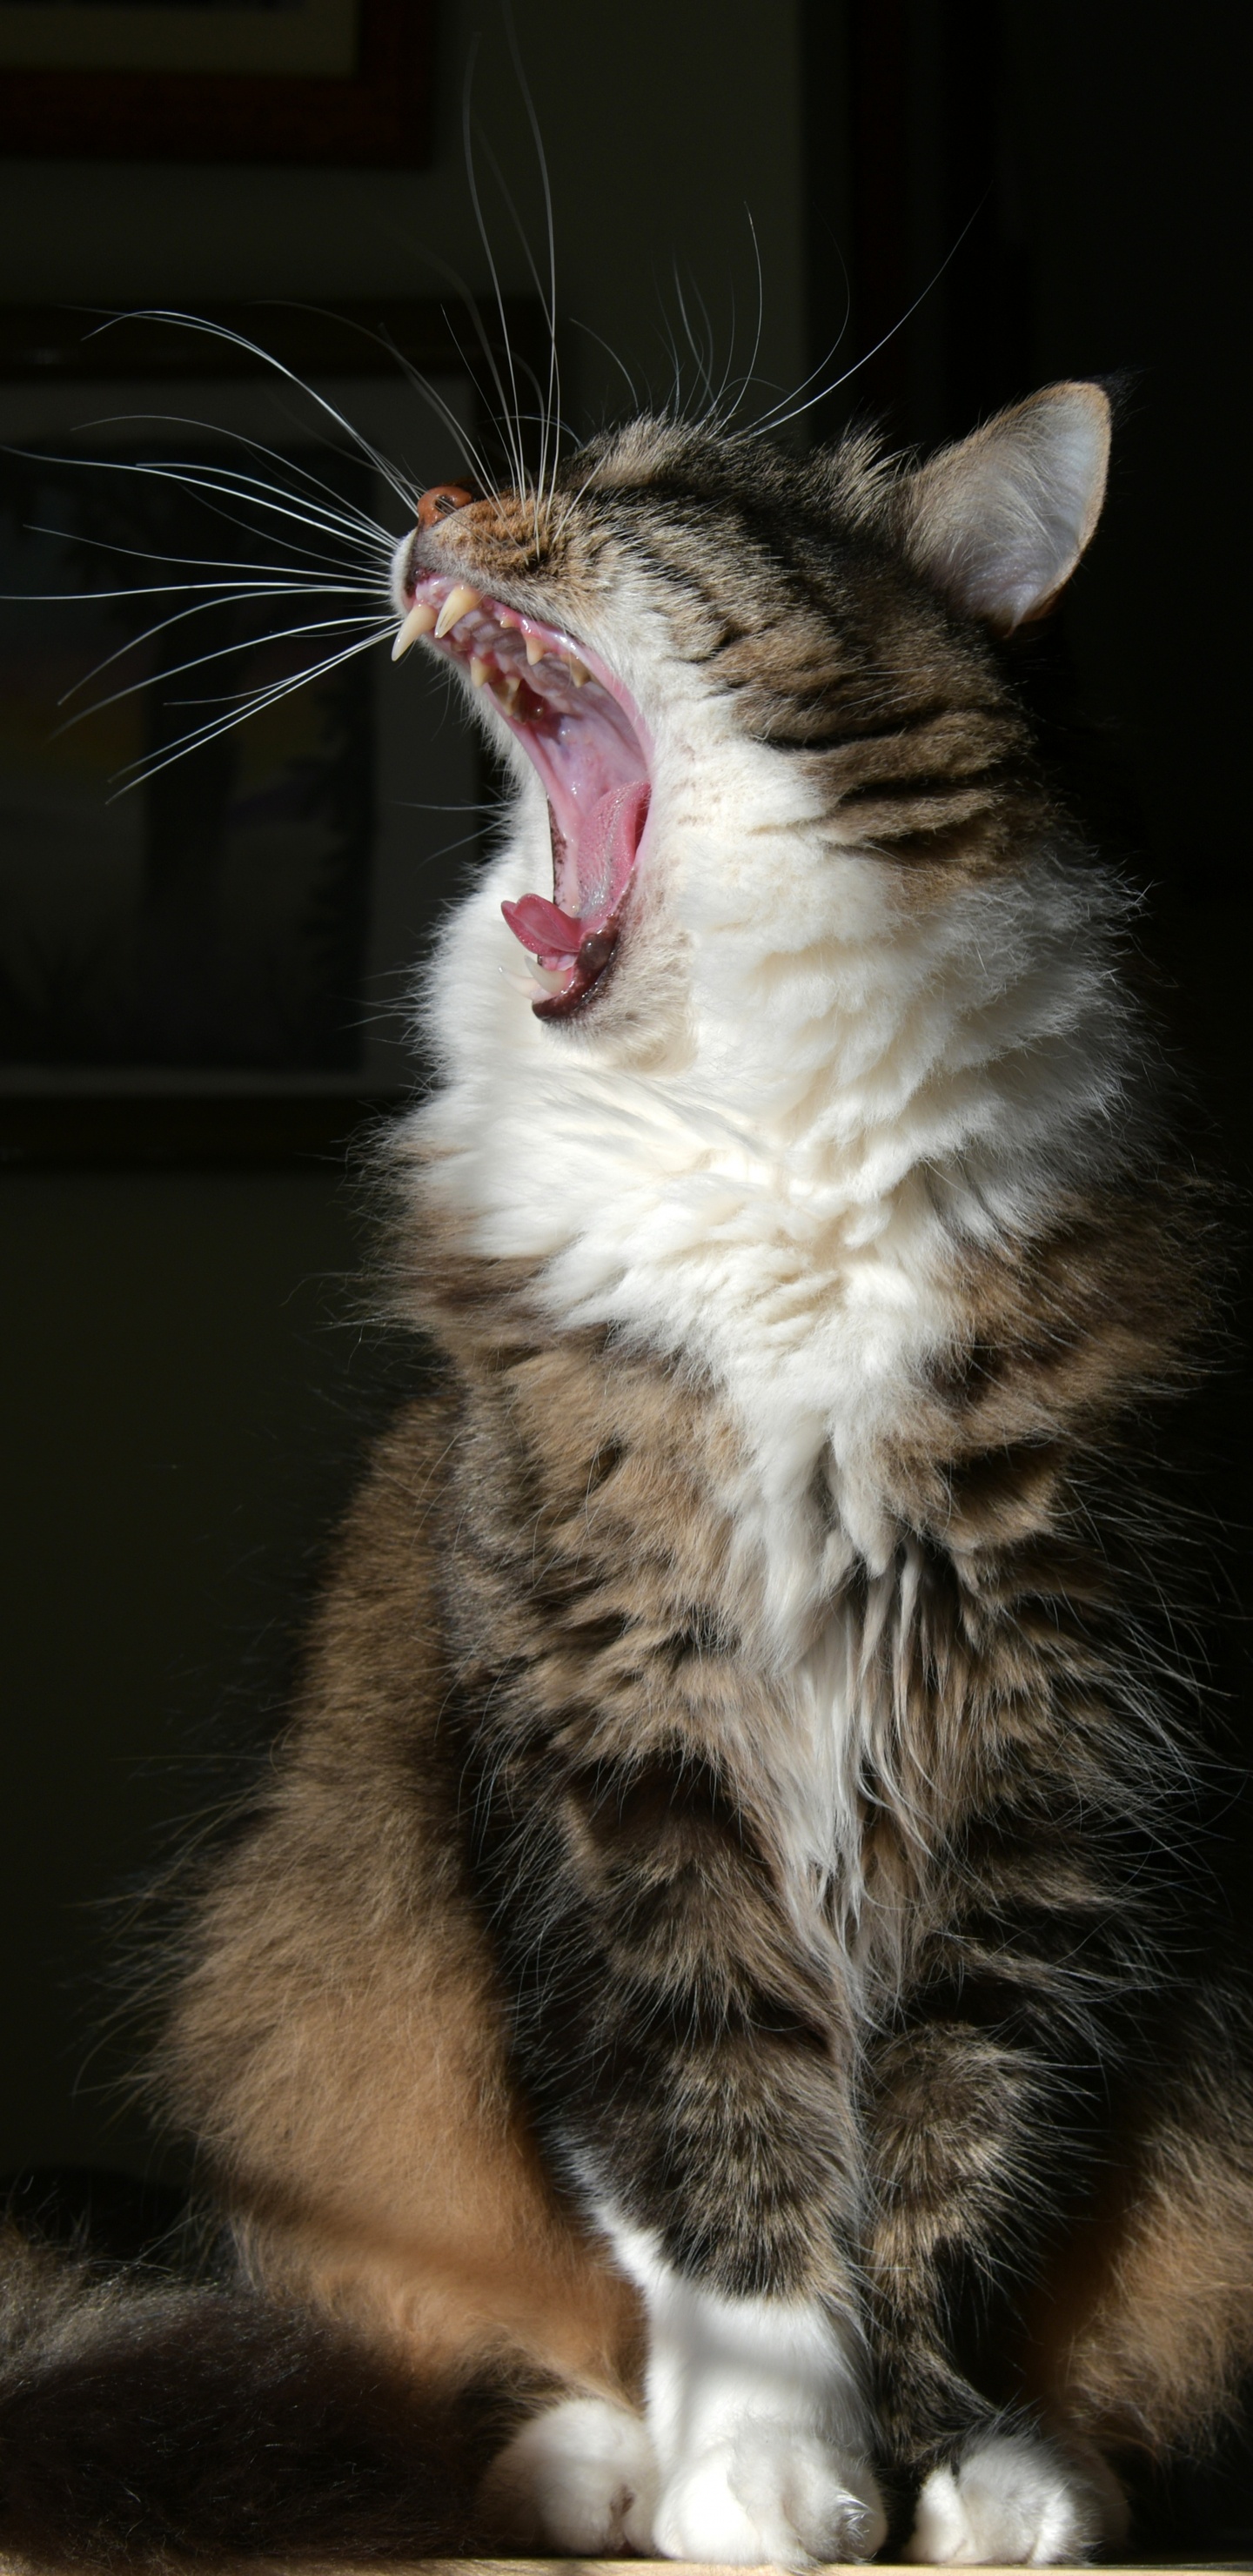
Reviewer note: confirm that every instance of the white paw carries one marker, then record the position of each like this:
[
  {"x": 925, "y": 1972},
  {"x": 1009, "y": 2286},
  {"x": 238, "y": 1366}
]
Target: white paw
[
  {"x": 769, "y": 2494},
  {"x": 579, "y": 2478},
  {"x": 1013, "y": 2501}
]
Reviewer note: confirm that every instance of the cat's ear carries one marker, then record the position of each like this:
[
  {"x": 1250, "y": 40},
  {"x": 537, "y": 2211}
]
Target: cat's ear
[{"x": 1001, "y": 521}]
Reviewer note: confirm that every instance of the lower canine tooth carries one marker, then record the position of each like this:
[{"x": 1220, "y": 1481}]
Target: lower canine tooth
[
  {"x": 458, "y": 604},
  {"x": 531, "y": 987}
]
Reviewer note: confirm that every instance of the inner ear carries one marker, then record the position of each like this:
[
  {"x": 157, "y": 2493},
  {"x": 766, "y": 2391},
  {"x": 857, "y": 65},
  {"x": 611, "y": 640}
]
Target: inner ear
[{"x": 1000, "y": 521}]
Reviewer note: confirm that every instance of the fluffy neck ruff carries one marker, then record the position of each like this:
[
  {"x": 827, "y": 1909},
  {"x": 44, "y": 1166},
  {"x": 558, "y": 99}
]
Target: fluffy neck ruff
[{"x": 866, "y": 1090}]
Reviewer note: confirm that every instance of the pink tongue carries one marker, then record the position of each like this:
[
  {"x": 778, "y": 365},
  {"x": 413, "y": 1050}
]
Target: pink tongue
[
  {"x": 604, "y": 858},
  {"x": 542, "y": 928}
]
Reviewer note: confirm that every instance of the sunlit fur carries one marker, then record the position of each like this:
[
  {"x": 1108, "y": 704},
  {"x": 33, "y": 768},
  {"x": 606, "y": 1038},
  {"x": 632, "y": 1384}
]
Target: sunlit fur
[
  {"x": 715, "y": 1973},
  {"x": 827, "y": 1098}
]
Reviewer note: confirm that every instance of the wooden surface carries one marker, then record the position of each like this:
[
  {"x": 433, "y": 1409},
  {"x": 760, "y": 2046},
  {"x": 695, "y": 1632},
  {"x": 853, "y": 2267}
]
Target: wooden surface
[
  {"x": 685, "y": 2567},
  {"x": 665, "y": 2567},
  {"x": 653, "y": 2567}
]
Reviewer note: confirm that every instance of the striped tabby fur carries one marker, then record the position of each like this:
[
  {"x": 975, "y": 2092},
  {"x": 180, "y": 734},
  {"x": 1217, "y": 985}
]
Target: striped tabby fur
[{"x": 718, "y": 1970}]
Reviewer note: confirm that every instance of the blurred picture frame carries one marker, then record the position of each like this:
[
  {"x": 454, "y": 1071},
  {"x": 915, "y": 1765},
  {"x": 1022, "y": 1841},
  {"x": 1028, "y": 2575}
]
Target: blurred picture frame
[
  {"x": 338, "y": 82},
  {"x": 216, "y": 962}
]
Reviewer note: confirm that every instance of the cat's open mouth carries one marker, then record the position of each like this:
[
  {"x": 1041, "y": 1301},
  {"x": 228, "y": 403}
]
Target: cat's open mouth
[{"x": 585, "y": 739}]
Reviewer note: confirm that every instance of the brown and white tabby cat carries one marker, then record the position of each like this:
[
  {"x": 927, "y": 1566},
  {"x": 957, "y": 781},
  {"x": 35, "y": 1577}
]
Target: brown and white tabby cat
[{"x": 715, "y": 2014}]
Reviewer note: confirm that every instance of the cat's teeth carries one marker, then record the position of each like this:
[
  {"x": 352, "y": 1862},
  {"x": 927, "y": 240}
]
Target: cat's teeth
[
  {"x": 530, "y": 986},
  {"x": 578, "y": 671},
  {"x": 419, "y": 621},
  {"x": 479, "y": 671},
  {"x": 534, "y": 649},
  {"x": 505, "y": 686},
  {"x": 457, "y": 605}
]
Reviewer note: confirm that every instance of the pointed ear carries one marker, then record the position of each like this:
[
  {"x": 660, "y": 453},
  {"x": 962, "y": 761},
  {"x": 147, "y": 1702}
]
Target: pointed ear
[{"x": 1001, "y": 521}]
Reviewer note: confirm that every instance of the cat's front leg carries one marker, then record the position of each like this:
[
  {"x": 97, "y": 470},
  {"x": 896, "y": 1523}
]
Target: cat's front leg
[
  {"x": 759, "y": 2422},
  {"x": 692, "y": 2069}
]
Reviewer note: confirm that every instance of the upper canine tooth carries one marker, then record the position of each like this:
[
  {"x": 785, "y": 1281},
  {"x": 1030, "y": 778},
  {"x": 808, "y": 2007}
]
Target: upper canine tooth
[
  {"x": 419, "y": 621},
  {"x": 534, "y": 649},
  {"x": 479, "y": 671},
  {"x": 458, "y": 604}
]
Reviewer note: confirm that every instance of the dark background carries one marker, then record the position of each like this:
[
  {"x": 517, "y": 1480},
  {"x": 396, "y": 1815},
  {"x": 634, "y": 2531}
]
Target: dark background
[{"x": 186, "y": 1383}]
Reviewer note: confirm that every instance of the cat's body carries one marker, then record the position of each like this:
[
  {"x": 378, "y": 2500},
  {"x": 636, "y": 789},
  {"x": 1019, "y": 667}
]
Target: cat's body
[{"x": 718, "y": 1967}]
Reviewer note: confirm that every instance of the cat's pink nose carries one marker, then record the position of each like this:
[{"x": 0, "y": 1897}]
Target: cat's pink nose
[{"x": 440, "y": 500}]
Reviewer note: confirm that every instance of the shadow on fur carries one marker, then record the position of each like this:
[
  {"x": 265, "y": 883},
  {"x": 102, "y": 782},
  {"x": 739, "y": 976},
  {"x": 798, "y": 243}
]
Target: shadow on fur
[{"x": 146, "y": 2425}]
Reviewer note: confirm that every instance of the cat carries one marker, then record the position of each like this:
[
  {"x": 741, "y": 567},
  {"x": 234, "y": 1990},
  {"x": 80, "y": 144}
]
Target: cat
[{"x": 712, "y": 2044}]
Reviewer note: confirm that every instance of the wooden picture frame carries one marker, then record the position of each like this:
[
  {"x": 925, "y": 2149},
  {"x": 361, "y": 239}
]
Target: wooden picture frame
[
  {"x": 90, "y": 1103},
  {"x": 379, "y": 115}
]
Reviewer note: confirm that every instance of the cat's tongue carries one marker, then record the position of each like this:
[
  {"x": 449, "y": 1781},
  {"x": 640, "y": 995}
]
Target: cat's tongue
[
  {"x": 551, "y": 935},
  {"x": 595, "y": 869}
]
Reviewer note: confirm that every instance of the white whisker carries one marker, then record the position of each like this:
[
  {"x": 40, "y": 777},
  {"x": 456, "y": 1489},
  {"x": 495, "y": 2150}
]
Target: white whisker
[
  {"x": 546, "y": 417},
  {"x": 422, "y": 384},
  {"x": 491, "y": 477},
  {"x": 368, "y": 525},
  {"x": 217, "y": 653},
  {"x": 224, "y": 564},
  {"x": 231, "y": 483},
  {"x": 443, "y": 410},
  {"x": 162, "y": 626},
  {"x": 508, "y": 422},
  {"x": 748, "y": 377},
  {"x": 547, "y": 482},
  {"x": 674, "y": 407},
  {"x": 237, "y": 339},
  {"x": 715, "y": 412},
  {"x": 611, "y": 352},
  {"x": 776, "y": 419},
  {"x": 572, "y": 504},
  {"x": 688, "y": 332},
  {"x": 711, "y": 342},
  {"x": 225, "y": 484},
  {"x": 474, "y": 454},
  {"x": 314, "y": 587},
  {"x": 263, "y": 698},
  {"x": 335, "y": 507},
  {"x": 446, "y": 849}
]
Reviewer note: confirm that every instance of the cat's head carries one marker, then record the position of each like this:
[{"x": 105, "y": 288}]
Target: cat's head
[{"x": 700, "y": 657}]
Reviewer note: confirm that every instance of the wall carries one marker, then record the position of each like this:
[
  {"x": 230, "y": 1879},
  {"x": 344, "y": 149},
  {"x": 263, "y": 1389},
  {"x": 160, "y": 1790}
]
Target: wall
[
  {"x": 183, "y": 1385},
  {"x": 184, "y": 1391},
  {"x": 664, "y": 129}
]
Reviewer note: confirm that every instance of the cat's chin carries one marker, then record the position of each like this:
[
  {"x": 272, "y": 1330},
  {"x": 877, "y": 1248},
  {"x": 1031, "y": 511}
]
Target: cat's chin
[{"x": 591, "y": 751}]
